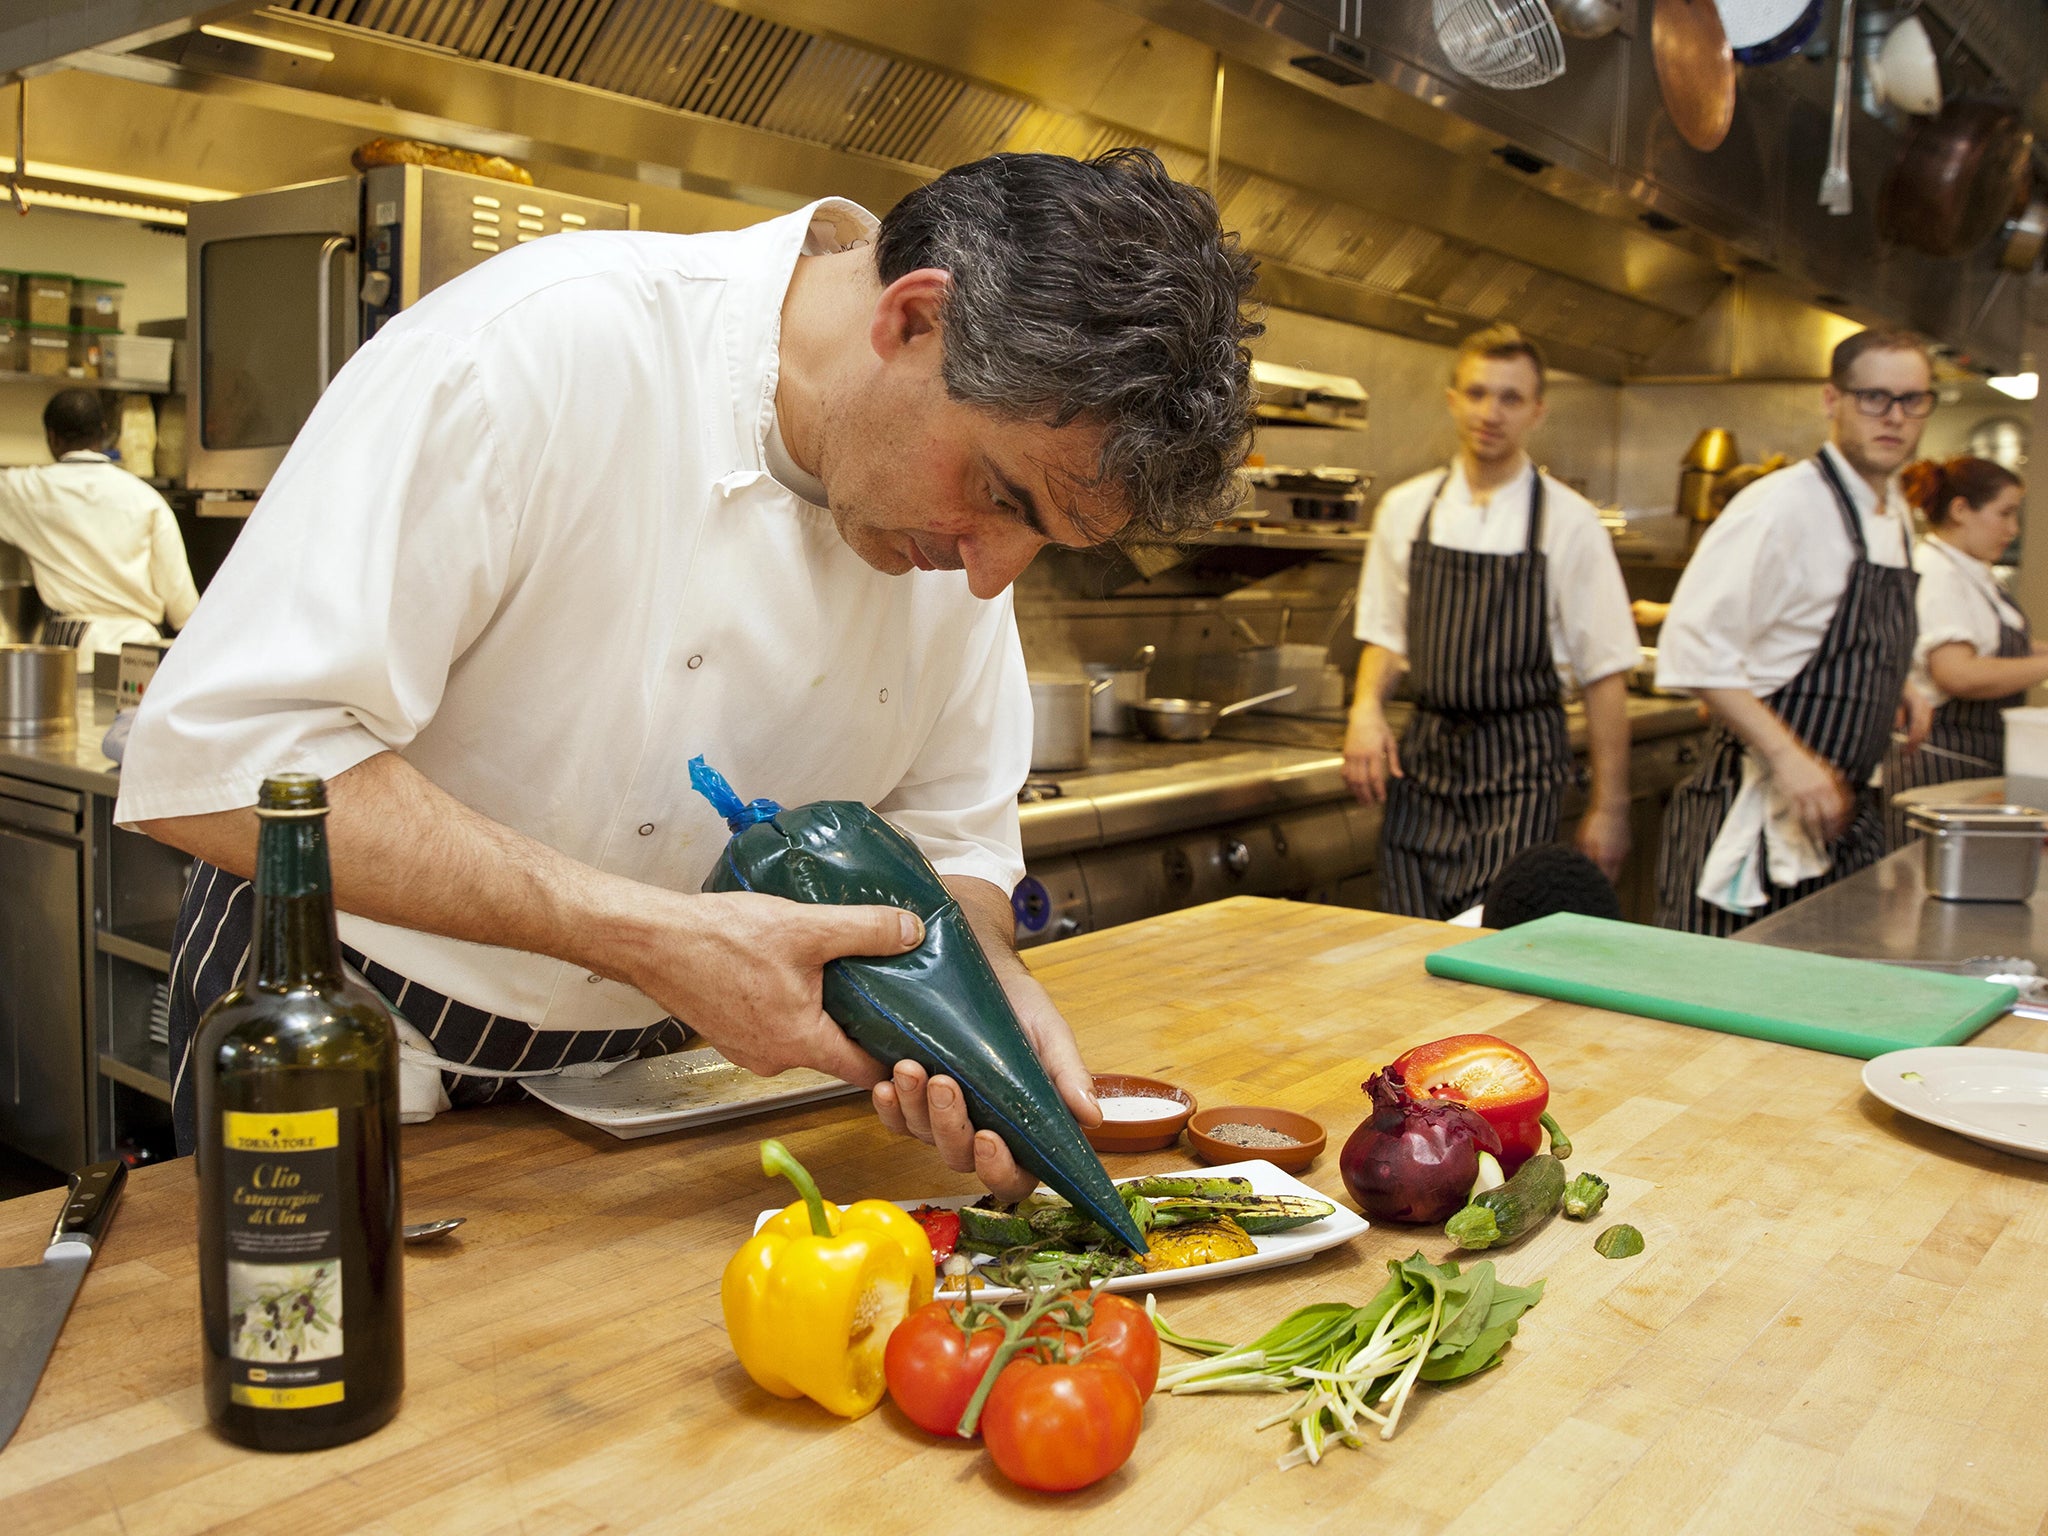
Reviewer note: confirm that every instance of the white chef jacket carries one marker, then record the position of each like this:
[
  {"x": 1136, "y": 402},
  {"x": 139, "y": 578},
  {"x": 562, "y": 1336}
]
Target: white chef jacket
[
  {"x": 1762, "y": 588},
  {"x": 1591, "y": 633},
  {"x": 1958, "y": 599},
  {"x": 104, "y": 548},
  {"x": 527, "y": 540}
]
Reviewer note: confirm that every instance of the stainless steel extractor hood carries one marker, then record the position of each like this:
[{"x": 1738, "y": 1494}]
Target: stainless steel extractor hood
[{"x": 1413, "y": 203}]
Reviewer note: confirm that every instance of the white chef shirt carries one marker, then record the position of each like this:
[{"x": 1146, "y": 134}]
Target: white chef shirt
[
  {"x": 1958, "y": 600},
  {"x": 527, "y": 540},
  {"x": 103, "y": 546},
  {"x": 1760, "y": 591},
  {"x": 1591, "y": 633}
]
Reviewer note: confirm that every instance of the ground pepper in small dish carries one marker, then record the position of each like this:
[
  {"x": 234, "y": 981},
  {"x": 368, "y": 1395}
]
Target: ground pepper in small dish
[{"x": 1240, "y": 1133}]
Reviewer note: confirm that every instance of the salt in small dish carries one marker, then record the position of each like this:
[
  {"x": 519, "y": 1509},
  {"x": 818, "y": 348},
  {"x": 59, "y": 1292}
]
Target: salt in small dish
[{"x": 1136, "y": 1116}]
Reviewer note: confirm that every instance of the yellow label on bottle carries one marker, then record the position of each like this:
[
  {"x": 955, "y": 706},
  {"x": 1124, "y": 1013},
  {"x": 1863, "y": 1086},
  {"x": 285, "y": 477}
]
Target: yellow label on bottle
[
  {"x": 286, "y": 1397},
  {"x": 309, "y": 1130}
]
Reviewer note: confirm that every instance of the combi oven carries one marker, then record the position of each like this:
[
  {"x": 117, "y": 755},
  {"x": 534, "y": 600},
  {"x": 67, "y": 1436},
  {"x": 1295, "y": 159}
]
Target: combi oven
[{"x": 283, "y": 286}]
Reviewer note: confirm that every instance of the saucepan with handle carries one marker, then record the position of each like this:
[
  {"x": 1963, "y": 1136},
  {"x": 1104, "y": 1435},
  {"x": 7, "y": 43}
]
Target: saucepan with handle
[{"x": 1193, "y": 719}]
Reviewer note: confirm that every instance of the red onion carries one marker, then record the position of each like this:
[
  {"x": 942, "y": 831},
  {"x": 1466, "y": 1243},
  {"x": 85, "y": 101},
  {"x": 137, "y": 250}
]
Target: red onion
[{"x": 1414, "y": 1159}]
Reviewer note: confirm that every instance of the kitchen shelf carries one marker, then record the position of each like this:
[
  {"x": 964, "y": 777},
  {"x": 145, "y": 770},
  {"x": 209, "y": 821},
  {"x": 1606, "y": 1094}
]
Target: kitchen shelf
[
  {"x": 1353, "y": 542},
  {"x": 146, "y": 944},
  {"x": 1294, "y": 416},
  {"x": 153, "y": 1080},
  {"x": 64, "y": 380}
]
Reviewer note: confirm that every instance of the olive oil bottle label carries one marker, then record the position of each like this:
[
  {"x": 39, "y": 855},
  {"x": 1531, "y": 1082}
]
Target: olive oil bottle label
[{"x": 284, "y": 1258}]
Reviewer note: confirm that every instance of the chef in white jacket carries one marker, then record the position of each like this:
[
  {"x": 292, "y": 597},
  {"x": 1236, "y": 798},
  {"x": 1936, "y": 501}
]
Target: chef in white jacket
[
  {"x": 1794, "y": 625},
  {"x": 613, "y": 500},
  {"x": 108, "y": 559}
]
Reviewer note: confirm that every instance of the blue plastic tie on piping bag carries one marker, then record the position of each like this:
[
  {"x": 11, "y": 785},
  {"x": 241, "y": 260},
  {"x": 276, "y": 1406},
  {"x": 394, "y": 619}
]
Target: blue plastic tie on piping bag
[{"x": 739, "y": 814}]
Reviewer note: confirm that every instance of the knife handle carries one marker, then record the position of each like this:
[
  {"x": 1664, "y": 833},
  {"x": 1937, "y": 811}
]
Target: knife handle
[{"x": 94, "y": 1193}]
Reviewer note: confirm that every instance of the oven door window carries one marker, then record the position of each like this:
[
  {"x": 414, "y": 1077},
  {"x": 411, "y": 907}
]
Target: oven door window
[{"x": 260, "y": 375}]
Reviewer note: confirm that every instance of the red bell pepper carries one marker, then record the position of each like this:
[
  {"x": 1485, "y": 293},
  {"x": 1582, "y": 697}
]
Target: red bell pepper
[
  {"x": 942, "y": 1227},
  {"x": 1496, "y": 1079}
]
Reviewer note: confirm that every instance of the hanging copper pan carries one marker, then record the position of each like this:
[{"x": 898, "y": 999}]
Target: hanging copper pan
[
  {"x": 1695, "y": 70},
  {"x": 1957, "y": 179}
]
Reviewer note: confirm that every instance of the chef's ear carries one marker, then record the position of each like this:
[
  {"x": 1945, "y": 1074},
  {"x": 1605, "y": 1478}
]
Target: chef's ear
[{"x": 909, "y": 311}]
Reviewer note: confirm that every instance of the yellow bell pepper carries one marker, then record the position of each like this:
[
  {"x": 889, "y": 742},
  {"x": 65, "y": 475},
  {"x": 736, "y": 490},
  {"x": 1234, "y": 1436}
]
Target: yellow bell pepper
[{"x": 811, "y": 1299}]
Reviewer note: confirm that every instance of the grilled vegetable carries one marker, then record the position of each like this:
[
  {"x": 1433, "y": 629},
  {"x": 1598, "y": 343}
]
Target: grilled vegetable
[
  {"x": 1519, "y": 1206},
  {"x": 1584, "y": 1196},
  {"x": 1199, "y": 1242},
  {"x": 1045, "y": 1220},
  {"x": 1199, "y": 1186},
  {"x": 941, "y": 1005}
]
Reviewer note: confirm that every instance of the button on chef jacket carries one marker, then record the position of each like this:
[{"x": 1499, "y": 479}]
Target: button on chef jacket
[
  {"x": 1591, "y": 633},
  {"x": 1958, "y": 600},
  {"x": 1759, "y": 592},
  {"x": 527, "y": 540},
  {"x": 103, "y": 545}
]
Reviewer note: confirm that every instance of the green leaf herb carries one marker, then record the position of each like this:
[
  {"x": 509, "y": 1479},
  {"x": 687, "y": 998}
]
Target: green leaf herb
[{"x": 1430, "y": 1322}]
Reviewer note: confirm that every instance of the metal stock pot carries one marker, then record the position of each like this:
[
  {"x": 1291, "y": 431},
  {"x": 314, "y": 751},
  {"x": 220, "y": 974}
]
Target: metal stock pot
[
  {"x": 38, "y": 689},
  {"x": 1060, "y": 707}
]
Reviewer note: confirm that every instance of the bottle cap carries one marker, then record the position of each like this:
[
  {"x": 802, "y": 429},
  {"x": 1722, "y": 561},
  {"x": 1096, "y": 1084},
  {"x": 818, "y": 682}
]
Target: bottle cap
[{"x": 292, "y": 794}]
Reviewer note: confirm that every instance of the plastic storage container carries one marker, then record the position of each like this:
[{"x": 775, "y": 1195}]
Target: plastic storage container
[
  {"x": 48, "y": 298},
  {"x": 137, "y": 359},
  {"x": 96, "y": 303},
  {"x": 87, "y": 358},
  {"x": 47, "y": 350}
]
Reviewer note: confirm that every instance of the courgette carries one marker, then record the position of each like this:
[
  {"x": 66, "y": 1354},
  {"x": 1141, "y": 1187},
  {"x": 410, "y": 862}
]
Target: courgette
[
  {"x": 1518, "y": 1207},
  {"x": 941, "y": 1006}
]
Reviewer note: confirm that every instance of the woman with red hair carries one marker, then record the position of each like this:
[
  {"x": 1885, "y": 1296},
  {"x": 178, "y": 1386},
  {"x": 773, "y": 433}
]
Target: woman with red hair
[{"x": 1974, "y": 656}]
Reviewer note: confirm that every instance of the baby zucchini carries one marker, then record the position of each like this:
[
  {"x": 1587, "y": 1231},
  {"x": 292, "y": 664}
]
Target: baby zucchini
[{"x": 1519, "y": 1206}]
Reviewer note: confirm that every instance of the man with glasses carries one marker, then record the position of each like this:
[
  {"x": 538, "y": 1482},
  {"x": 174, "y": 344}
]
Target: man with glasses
[{"x": 1794, "y": 625}]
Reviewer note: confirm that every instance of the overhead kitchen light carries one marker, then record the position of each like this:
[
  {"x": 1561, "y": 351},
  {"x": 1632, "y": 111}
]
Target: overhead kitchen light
[
  {"x": 274, "y": 44},
  {"x": 2021, "y": 386},
  {"x": 115, "y": 181}
]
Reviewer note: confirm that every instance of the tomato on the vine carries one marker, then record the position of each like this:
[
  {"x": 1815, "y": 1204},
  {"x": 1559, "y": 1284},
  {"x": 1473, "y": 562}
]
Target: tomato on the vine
[
  {"x": 1121, "y": 1331},
  {"x": 1059, "y": 1427},
  {"x": 932, "y": 1365}
]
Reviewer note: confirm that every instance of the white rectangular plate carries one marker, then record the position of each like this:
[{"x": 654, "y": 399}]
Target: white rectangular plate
[
  {"x": 684, "y": 1088},
  {"x": 1997, "y": 1097},
  {"x": 1274, "y": 1250}
]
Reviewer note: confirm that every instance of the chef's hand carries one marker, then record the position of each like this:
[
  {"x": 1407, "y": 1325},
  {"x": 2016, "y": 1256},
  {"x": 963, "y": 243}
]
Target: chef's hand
[
  {"x": 1916, "y": 717},
  {"x": 935, "y": 1111},
  {"x": 1371, "y": 755},
  {"x": 747, "y": 973},
  {"x": 1818, "y": 795},
  {"x": 1603, "y": 838}
]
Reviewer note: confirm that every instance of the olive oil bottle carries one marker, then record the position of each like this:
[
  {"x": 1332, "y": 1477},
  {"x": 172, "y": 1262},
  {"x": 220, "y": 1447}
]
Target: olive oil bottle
[{"x": 297, "y": 1086}]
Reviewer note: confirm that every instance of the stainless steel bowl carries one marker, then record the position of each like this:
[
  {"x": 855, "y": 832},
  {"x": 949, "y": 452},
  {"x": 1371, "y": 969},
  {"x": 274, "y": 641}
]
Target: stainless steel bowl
[
  {"x": 38, "y": 689},
  {"x": 1192, "y": 719}
]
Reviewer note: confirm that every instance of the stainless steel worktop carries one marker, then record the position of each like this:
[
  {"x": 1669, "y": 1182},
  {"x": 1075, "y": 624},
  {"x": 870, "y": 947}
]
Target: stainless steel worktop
[
  {"x": 69, "y": 758},
  {"x": 1885, "y": 913}
]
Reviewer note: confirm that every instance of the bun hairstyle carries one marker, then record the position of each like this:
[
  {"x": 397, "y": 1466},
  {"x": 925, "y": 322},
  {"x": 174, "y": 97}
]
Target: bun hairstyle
[{"x": 1932, "y": 485}]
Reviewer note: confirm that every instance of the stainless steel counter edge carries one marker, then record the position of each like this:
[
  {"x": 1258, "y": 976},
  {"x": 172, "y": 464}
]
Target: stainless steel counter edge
[{"x": 71, "y": 758}]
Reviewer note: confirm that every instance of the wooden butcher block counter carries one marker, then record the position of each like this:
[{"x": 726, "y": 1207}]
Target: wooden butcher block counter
[{"x": 1840, "y": 1322}]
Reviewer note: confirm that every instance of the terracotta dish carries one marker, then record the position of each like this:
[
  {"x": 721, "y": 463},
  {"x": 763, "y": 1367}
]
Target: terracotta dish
[
  {"x": 1147, "y": 1135},
  {"x": 1308, "y": 1136}
]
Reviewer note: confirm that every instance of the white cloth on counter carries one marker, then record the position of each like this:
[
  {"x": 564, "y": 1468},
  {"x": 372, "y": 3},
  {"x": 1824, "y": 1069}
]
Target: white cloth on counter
[
  {"x": 104, "y": 547},
  {"x": 527, "y": 540},
  {"x": 1763, "y": 586},
  {"x": 1760, "y": 837},
  {"x": 1591, "y": 632},
  {"x": 1958, "y": 600}
]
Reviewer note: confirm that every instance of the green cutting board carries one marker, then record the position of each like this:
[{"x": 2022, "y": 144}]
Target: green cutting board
[{"x": 1850, "y": 1007}]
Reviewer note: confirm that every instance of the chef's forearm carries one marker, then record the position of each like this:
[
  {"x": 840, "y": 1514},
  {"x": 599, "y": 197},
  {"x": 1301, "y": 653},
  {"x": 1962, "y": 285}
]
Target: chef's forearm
[
  {"x": 406, "y": 852},
  {"x": 1752, "y": 722},
  {"x": 990, "y": 916},
  {"x": 1379, "y": 673},
  {"x": 1962, "y": 674},
  {"x": 1607, "y": 741}
]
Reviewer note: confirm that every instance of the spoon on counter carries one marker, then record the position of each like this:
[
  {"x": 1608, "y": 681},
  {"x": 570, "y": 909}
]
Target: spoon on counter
[{"x": 427, "y": 1231}]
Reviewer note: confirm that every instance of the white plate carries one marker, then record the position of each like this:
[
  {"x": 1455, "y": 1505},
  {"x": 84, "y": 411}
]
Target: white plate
[
  {"x": 1275, "y": 1249},
  {"x": 1997, "y": 1097},
  {"x": 667, "y": 1093}
]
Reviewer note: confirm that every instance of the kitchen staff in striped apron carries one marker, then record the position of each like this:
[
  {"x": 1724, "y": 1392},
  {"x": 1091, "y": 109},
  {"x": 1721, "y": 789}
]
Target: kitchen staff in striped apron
[
  {"x": 1490, "y": 585},
  {"x": 1975, "y": 655},
  {"x": 1794, "y": 625},
  {"x": 611, "y": 500}
]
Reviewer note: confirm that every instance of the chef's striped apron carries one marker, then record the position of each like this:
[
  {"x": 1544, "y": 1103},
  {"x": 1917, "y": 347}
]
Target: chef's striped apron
[
  {"x": 1963, "y": 729},
  {"x": 1485, "y": 761},
  {"x": 210, "y": 955},
  {"x": 1842, "y": 705}
]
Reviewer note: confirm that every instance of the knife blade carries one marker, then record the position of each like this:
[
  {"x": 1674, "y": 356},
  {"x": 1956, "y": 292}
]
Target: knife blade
[{"x": 35, "y": 1299}]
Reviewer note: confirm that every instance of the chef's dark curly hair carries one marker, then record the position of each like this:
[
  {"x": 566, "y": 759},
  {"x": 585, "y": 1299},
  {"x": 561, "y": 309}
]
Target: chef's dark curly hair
[{"x": 1100, "y": 291}]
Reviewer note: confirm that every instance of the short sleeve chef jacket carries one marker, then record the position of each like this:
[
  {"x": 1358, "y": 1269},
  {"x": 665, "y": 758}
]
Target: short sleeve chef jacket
[
  {"x": 1957, "y": 600},
  {"x": 1763, "y": 586},
  {"x": 1591, "y": 633},
  {"x": 527, "y": 540},
  {"x": 103, "y": 545}
]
